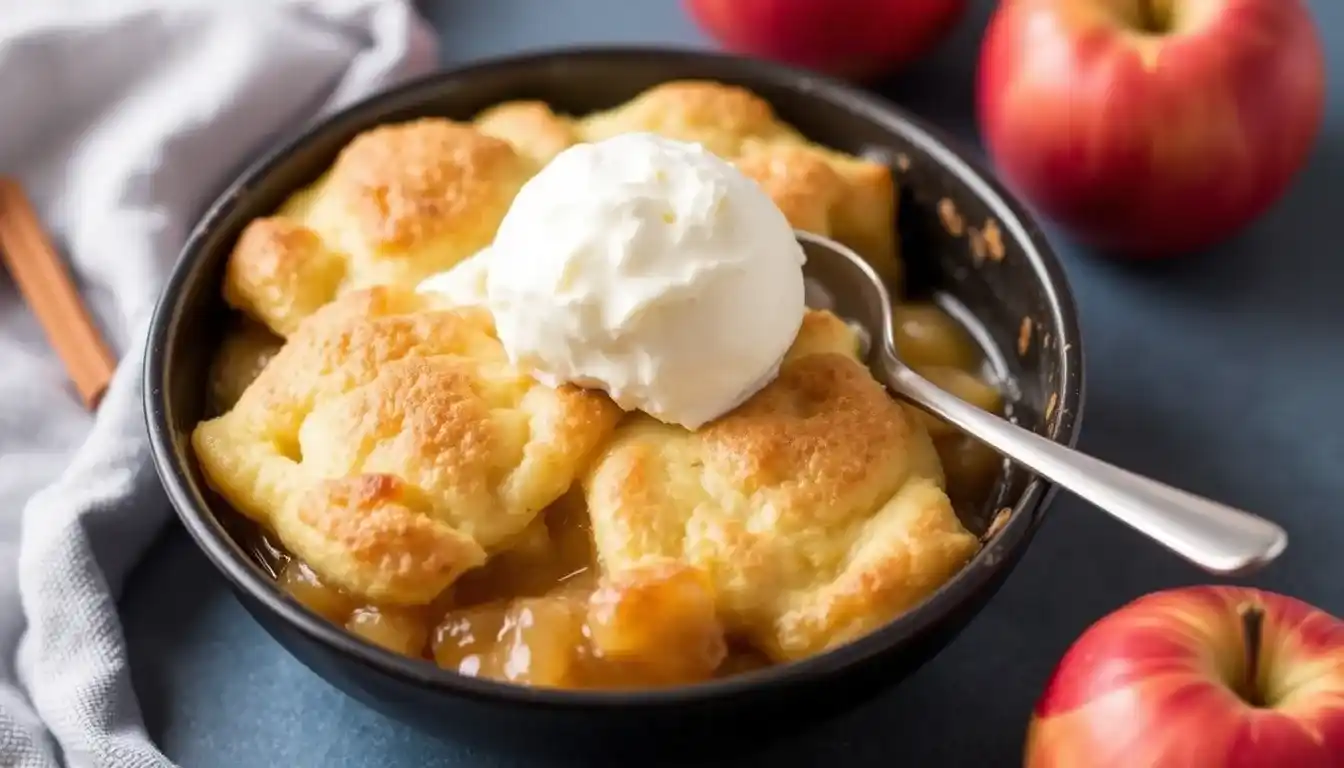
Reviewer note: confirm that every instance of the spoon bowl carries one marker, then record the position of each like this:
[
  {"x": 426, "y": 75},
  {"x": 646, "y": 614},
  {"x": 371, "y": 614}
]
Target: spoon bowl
[{"x": 1217, "y": 538}]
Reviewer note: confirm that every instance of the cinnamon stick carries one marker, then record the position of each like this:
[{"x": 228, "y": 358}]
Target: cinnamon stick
[{"x": 46, "y": 285}]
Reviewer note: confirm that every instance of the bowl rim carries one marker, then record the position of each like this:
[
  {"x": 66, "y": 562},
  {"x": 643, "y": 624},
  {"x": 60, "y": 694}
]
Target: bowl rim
[{"x": 997, "y": 555}]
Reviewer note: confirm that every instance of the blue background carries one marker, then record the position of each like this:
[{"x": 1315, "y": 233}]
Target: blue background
[{"x": 1220, "y": 373}]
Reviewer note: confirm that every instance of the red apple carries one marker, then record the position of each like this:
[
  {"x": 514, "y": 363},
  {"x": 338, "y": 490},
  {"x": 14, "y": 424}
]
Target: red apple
[
  {"x": 1201, "y": 677},
  {"x": 849, "y": 38},
  {"x": 1151, "y": 127}
]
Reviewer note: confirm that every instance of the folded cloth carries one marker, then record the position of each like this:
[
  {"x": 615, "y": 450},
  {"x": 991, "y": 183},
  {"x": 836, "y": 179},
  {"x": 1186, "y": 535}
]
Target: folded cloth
[{"x": 122, "y": 120}]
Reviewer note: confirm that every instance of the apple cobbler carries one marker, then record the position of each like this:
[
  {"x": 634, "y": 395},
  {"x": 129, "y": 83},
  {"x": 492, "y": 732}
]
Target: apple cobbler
[{"x": 412, "y": 485}]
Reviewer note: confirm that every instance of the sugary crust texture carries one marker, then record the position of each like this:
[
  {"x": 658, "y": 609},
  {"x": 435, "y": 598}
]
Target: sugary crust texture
[
  {"x": 820, "y": 190},
  {"x": 530, "y": 127},
  {"x": 391, "y": 446},
  {"x": 401, "y": 202},
  {"x": 816, "y": 509}
]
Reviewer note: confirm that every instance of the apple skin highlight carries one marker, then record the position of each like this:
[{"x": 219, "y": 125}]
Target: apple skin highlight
[
  {"x": 1149, "y": 142},
  {"x": 1159, "y": 684}
]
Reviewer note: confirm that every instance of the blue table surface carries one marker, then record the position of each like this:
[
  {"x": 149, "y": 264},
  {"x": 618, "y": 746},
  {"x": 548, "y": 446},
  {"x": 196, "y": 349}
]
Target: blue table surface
[{"x": 1219, "y": 373}]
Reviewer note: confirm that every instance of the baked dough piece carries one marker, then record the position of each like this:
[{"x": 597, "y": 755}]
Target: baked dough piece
[
  {"x": 816, "y": 509},
  {"x": 831, "y": 194},
  {"x": 401, "y": 202},
  {"x": 530, "y": 127},
  {"x": 719, "y": 116},
  {"x": 390, "y": 445}
]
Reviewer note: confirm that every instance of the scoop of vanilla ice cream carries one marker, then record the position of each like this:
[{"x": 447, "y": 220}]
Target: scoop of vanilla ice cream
[
  {"x": 464, "y": 284},
  {"x": 650, "y": 269}
]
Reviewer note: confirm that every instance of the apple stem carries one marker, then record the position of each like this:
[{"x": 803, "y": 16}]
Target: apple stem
[
  {"x": 1252, "y": 629},
  {"x": 1153, "y": 16}
]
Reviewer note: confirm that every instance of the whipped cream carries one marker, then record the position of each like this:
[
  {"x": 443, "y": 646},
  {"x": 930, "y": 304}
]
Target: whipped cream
[
  {"x": 464, "y": 284},
  {"x": 647, "y": 268}
]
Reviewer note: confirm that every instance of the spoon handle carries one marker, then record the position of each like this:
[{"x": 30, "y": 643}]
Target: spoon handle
[{"x": 1218, "y": 538}]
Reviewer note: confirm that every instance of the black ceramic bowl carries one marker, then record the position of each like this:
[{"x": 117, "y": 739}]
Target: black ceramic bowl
[{"x": 1026, "y": 282}]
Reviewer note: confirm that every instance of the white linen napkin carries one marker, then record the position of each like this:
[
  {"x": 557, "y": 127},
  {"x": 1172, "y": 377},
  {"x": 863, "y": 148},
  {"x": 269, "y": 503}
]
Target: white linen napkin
[{"x": 122, "y": 119}]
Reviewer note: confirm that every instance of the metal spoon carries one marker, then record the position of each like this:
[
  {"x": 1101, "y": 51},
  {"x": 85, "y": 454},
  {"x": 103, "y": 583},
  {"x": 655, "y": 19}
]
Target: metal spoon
[{"x": 1218, "y": 538}]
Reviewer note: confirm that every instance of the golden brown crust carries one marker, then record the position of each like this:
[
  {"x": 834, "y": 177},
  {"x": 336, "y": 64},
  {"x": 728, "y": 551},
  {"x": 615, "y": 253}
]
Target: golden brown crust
[
  {"x": 822, "y": 333},
  {"x": 718, "y": 116},
  {"x": 530, "y": 127},
  {"x": 911, "y": 546},
  {"x": 383, "y": 423},
  {"x": 866, "y": 220},
  {"x": 816, "y": 509},
  {"x": 280, "y": 272},
  {"x": 822, "y": 426},
  {"x": 804, "y": 186},
  {"x": 365, "y": 530},
  {"x": 401, "y": 202},
  {"x": 819, "y": 189},
  {"x": 830, "y": 193},
  {"x": 408, "y": 183},
  {"x": 406, "y": 200}
]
